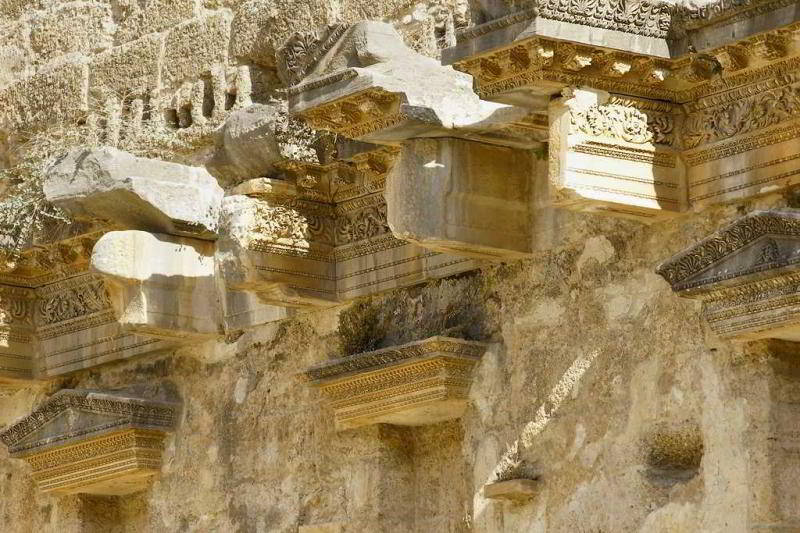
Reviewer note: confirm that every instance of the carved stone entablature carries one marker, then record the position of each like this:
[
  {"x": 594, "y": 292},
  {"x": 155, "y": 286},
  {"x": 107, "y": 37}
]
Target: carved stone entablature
[
  {"x": 746, "y": 276},
  {"x": 616, "y": 156},
  {"x": 423, "y": 382},
  {"x": 368, "y": 85},
  {"x": 95, "y": 442},
  {"x": 321, "y": 236}
]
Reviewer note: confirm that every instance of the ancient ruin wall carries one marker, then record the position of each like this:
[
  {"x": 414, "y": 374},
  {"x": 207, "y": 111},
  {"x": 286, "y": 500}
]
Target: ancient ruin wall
[{"x": 634, "y": 417}]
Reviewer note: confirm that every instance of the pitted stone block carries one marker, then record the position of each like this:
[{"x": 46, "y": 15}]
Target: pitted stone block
[
  {"x": 135, "y": 192},
  {"x": 93, "y": 442},
  {"x": 194, "y": 47}
]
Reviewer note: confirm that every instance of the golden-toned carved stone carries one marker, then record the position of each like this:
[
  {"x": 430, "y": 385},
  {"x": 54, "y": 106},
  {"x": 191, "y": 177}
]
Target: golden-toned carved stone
[
  {"x": 359, "y": 114},
  {"x": 111, "y": 444},
  {"x": 423, "y": 382},
  {"x": 746, "y": 276}
]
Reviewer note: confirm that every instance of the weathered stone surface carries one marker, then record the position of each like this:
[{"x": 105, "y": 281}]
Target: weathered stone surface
[
  {"x": 150, "y": 16},
  {"x": 77, "y": 27},
  {"x": 462, "y": 197},
  {"x": 16, "y": 337},
  {"x": 435, "y": 374},
  {"x": 247, "y": 146},
  {"x": 57, "y": 95},
  {"x": 160, "y": 285},
  {"x": 194, "y": 47},
  {"x": 94, "y": 442},
  {"x": 135, "y": 192},
  {"x": 744, "y": 275},
  {"x": 251, "y": 32},
  {"x": 130, "y": 68}
]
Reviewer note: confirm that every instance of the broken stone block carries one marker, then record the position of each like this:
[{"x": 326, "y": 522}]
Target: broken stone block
[
  {"x": 423, "y": 382},
  {"x": 364, "y": 83},
  {"x": 462, "y": 197},
  {"x": 93, "y": 442},
  {"x": 746, "y": 276},
  {"x": 247, "y": 146},
  {"x": 515, "y": 490},
  {"x": 614, "y": 156},
  {"x": 137, "y": 193},
  {"x": 160, "y": 285}
]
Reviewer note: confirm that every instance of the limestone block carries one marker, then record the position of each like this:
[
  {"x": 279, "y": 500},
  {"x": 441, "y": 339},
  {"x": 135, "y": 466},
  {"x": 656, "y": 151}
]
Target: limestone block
[
  {"x": 611, "y": 156},
  {"x": 93, "y": 442},
  {"x": 746, "y": 276},
  {"x": 515, "y": 490},
  {"x": 423, "y": 382},
  {"x": 246, "y": 145},
  {"x": 76, "y": 27},
  {"x": 55, "y": 95},
  {"x": 251, "y": 38},
  {"x": 386, "y": 92},
  {"x": 462, "y": 197},
  {"x": 160, "y": 285},
  {"x": 142, "y": 17},
  {"x": 76, "y": 327},
  {"x": 135, "y": 192},
  {"x": 278, "y": 249},
  {"x": 245, "y": 310},
  {"x": 16, "y": 337},
  {"x": 132, "y": 67},
  {"x": 194, "y": 47}
]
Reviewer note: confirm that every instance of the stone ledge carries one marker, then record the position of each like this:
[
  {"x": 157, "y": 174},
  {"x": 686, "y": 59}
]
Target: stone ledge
[
  {"x": 106, "y": 443},
  {"x": 423, "y": 382}
]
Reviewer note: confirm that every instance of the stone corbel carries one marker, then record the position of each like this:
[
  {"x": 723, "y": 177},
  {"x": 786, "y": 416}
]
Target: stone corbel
[
  {"x": 746, "y": 276},
  {"x": 93, "y": 442},
  {"x": 615, "y": 156},
  {"x": 462, "y": 180},
  {"x": 423, "y": 382}
]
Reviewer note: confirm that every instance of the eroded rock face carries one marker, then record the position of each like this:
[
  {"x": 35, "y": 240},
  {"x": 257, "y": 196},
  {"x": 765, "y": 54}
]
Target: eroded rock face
[{"x": 135, "y": 192}]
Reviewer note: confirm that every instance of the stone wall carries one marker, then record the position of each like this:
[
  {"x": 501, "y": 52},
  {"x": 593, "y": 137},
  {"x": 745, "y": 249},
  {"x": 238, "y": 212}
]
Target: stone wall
[
  {"x": 634, "y": 416},
  {"x": 592, "y": 360}
]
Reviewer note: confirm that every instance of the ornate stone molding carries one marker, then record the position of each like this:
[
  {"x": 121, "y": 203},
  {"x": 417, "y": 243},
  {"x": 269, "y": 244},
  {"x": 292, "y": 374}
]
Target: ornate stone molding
[
  {"x": 422, "y": 382},
  {"x": 745, "y": 275},
  {"x": 615, "y": 156},
  {"x": 94, "y": 442}
]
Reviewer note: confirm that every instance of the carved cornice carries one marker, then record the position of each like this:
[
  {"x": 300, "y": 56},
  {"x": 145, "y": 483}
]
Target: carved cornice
[
  {"x": 305, "y": 49},
  {"x": 680, "y": 269},
  {"x": 417, "y": 383},
  {"x": 394, "y": 355},
  {"x": 127, "y": 411}
]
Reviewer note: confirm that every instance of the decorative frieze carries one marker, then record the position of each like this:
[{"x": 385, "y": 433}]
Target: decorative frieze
[
  {"x": 422, "y": 382},
  {"x": 94, "y": 442},
  {"x": 615, "y": 156},
  {"x": 746, "y": 276}
]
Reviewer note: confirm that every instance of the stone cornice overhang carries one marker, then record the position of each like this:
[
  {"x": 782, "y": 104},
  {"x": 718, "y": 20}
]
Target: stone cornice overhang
[
  {"x": 345, "y": 367},
  {"x": 665, "y": 55},
  {"x": 127, "y": 412},
  {"x": 681, "y": 270}
]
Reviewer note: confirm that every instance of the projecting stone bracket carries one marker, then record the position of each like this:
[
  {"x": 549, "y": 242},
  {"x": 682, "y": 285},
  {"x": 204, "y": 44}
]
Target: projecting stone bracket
[
  {"x": 462, "y": 180},
  {"x": 616, "y": 156},
  {"x": 94, "y": 442},
  {"x": 746, "y": 275},
  {"x": 423, "y": 382},
  {"x": 514, "y": 490}
]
